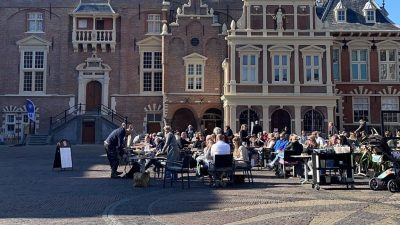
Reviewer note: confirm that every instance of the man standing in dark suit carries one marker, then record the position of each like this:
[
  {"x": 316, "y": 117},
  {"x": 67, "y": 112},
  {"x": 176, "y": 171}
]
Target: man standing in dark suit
[{"x": 114, "y": 144}]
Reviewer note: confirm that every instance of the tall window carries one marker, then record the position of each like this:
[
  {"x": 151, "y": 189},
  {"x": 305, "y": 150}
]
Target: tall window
[
  {"x": 152, "y": 72},
  {"x": 281, "y": 68},
  {"x": 312, "y": 69},
  {"x": 154, "y": 23},
  {"x": 359, "y": 70},
  {"x": 336, "y": 64},
  {"x": 387, "y": 59},
  {"x": 390, "y": 103},
  {"x": 313, "y": 121},
  {"x": 248, "y": 68},
  {"x": 360, "y": 108},
  {"x": 194, "y": 76},
  {"x": 35, "y": 22},
  {"x": 33, "y": 71}
]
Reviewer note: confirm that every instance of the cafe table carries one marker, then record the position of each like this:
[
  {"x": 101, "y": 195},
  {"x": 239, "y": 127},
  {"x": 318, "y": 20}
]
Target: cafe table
[{"x": 306, "y": 158}]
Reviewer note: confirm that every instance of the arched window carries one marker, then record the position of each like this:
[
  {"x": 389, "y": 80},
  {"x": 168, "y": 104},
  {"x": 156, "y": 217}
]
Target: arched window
[
  {"x": 248, "y": 116},
  {"x": 313, "y": 121},
  {"x": 212, "y": 118}
]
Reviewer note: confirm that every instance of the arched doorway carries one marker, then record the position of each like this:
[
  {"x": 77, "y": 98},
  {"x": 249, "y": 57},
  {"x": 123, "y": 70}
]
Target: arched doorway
[
  {"x": 248, "y": 116},
  {"x": 182, "y": 118},
  {"x": 281, "y": 120},
  {"x": 93, "y": 95},
  {"x": 313, "y": 121},
  {"x": 211, "y": 118}
]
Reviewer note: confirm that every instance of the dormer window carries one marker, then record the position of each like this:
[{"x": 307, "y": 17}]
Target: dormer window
[
  {"x": 341, "y": 16},
  {"x": 370, "y": 17},
  {"x": 369, "y": 12},
  {"x": 340, "y": 12}
]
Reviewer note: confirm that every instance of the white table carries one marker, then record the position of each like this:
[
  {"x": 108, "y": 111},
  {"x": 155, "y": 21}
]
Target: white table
[{"x": 305, "y": 159}]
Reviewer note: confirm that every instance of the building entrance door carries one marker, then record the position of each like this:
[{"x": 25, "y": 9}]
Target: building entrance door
[
  {"x": 281, "y": 120},
  {"x": 88, "y": 132},
  {"x": 93, "y": 95}
]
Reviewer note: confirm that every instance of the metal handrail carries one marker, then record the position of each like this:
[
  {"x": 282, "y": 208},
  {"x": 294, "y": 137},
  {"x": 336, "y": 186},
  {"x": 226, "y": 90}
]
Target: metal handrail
[{"x": 67, "y": 114}]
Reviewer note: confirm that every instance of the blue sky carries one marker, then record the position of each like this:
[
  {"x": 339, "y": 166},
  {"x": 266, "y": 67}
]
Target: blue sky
[{"x": 393, "y": 7}]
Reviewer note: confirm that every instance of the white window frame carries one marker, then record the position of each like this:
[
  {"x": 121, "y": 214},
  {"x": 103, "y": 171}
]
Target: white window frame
[
  {"x": 390, "y": 103},
  {"x": 359, "y": 64},
  {"x": 312, "y": 67},
  {"x": 338, "y": 64},
  {"x": 360, "y": 101},
  {"x": 153, "y": 70},
  {"x": 195, "y": 61},
  {"x": 387, "y": 64},
  {"x": 34, "y": 71},
  {"x": 280, "y": 67},
  {"x": 341, "y": 18},
  {"x": 312, "y": 51},
  {"x": 37, "y": 18},
  {"x": 154, "y": 24},
  {"x": 280, "y": 51},
  {"x": 195, "y": 74},
  {"x": 249, "y": 68},
  {"x": 368, "y": 14},
  {"x": 249, "y": 51}
]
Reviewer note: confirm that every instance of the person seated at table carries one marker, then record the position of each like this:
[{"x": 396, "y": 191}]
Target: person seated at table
[
  {"x": 279, "y": 146},
  {"x": 184, "y": 140},
  {"x": 219, "y": 148},
  {"x": 240, "y": 153},
  {"x": 205, "y": 158},
  {"x": 198, "y": 141},
  {"x": 258, "y": 141}
]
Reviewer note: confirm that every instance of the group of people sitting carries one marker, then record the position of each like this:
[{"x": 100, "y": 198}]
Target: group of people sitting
[{"x": 170, "y": 143}]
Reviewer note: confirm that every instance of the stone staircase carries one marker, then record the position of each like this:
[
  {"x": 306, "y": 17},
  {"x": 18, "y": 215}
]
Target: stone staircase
[{"x": 37, "y": 139}]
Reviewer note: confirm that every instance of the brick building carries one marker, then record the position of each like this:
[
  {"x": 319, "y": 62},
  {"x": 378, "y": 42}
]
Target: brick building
[
  {"x": 90, "y": 64},
  {"x": 298, "y": 65}
]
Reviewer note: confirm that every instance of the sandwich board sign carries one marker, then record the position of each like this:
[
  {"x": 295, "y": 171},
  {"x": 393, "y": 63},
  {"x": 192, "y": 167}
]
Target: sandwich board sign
[{"x": 63, "y": 156}]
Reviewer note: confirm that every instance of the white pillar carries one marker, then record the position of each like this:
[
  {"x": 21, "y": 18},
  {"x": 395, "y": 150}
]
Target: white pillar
[
  {"x": 81, "y": 91},
  {"x": 233, "y": 69},
  {"x": 330, "y": 110},
  {"x": 247, "y": 16},
  {"x": 311, "y": 19},
  {"x": 295, "y": 17},
  {"x": 296, "y": 70},
  {"x": 297, "y": 119},
  {"x": 265, "y": 70},
  {"x": 114, "y": 30},
  {"x": 106, "y": 85},
  {"x": 227, "y": 113},
  {"x": 232, "y": 118},
  {"x": 73, "y": 28},
  {"x": 264, "y": 8},
  {"x": 266, "y": 118},
  {"x": 329, "y": 90}
]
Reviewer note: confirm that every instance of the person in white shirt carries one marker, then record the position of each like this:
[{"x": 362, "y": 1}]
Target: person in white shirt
[{"x": 220, "y": 147}]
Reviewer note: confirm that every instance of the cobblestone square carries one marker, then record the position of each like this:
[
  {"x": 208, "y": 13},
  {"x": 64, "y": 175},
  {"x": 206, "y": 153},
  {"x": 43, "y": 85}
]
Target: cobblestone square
[{"x": 33, "y": 193}]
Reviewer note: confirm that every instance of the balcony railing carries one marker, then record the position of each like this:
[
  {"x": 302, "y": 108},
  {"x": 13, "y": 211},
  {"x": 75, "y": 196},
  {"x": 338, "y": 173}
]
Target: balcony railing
[{"x": 91, "y": 36}]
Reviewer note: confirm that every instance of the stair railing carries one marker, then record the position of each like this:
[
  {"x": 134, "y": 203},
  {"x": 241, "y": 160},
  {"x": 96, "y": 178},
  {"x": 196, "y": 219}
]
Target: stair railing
[{"x": 68, "y": 114}]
